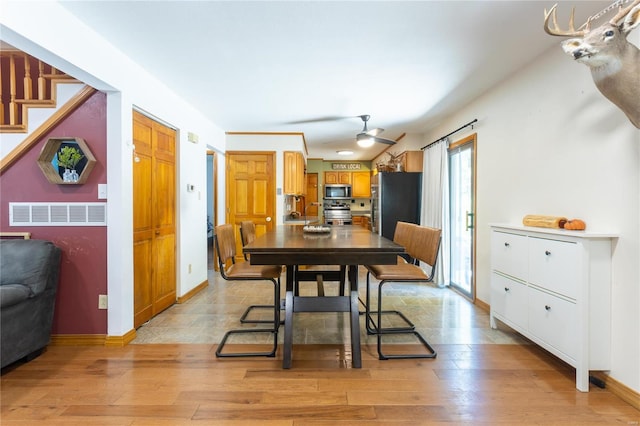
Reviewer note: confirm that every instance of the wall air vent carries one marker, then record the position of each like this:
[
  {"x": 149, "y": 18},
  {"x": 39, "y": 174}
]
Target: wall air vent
[{"x": 57, "y": 214}]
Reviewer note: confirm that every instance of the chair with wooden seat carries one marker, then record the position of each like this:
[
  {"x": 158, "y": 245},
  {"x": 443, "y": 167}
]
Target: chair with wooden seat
[
  {"x": 225, "y": 244},
  {"x": 422, "y": 244},
  {"x": 247, "y": 235}
]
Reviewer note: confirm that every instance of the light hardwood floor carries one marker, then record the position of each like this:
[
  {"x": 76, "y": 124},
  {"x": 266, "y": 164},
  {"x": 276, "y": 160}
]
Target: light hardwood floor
[{"x": 170, "y": 376}]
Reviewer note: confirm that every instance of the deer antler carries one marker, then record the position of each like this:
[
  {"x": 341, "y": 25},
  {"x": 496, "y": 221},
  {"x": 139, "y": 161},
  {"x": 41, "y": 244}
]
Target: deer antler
[
  {"x": 623, "y": 12},
  {"x": 572, "y": 32}
]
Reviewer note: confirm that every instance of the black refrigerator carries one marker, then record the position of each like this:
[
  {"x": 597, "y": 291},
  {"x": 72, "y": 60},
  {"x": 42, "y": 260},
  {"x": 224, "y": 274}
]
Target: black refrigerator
[{"x": 395, "y": 197}]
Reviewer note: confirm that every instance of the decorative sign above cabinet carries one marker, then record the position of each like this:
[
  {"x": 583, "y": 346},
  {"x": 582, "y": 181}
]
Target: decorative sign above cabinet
[{"x": 346, "y": 166}]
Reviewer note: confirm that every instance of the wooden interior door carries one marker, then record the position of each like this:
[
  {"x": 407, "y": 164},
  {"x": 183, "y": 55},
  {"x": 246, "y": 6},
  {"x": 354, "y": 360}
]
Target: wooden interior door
[
  {"x": 312, "y": 195},
  {"x": 251, "y": 193},
  {"x": 154, "y": 218}
]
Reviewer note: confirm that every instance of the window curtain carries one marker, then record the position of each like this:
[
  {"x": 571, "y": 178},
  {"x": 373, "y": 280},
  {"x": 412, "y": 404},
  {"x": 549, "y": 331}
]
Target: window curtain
[{"x": 435, "y": 202}]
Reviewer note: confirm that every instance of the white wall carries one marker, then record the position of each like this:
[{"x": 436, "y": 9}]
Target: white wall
[
  {"x": 47, "y": 31},
  {"x": 550, "y": 143}
]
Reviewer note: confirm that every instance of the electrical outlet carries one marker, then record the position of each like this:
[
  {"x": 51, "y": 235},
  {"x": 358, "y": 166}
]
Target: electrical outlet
[
  {"x": 102, "y": 301},
  {"x": 189, "y": 268}
]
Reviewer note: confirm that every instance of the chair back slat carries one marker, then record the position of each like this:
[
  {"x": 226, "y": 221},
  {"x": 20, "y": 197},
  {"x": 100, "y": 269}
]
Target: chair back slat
[
  {"x": 225, "y": 243},
  {"x": 402, "y": 236},
  {"x": 425, "y": 244},
  {"x": 247, "y": 231}
]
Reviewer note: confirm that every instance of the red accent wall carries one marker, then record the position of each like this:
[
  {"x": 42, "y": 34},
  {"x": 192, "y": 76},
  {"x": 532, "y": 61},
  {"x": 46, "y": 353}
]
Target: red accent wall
[{"x": 84, "y": 259}]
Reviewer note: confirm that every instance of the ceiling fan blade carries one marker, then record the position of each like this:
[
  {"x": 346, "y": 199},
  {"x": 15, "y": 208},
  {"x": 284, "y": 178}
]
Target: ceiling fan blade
[
  {"x": 385, "y": 141},
  {"x": 375, "y": 132},
  {"x": 361, "y": 136},
  {"x": 318, "y": 120}
]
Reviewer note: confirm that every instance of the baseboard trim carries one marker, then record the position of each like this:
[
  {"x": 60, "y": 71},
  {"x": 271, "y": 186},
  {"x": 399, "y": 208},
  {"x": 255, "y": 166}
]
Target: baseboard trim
[
  {"x": 482, "y": 305},
  {"x": 120, "y": 341},
  {"x": 618, "y": 389},
  {"x": 92, "y": 339},
  {"x": 78, "y": 339},
  {"x": 193, "y": 291}
]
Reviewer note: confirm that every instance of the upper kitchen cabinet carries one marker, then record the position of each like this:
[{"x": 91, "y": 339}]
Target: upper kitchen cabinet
[
  {"x": 411, "y": 161},
  {"x": 294, "y": 173},
  {"x": 337, "y": 177},
  {"x": 361, "y": 184}
]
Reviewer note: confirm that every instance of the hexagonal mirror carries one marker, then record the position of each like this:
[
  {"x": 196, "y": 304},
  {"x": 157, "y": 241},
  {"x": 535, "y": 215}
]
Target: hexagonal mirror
[{"x": 66, "y": 161}]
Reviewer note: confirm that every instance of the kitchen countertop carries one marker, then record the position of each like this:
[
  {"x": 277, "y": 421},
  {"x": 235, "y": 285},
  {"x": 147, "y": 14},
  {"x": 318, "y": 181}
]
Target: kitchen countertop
[
  {"x": 366, "y": 213},
  {"x": 314, "y": 221}
]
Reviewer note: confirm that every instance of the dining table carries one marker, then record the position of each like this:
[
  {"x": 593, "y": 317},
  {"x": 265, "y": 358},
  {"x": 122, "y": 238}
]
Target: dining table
[{"x": 341, "y": 245}]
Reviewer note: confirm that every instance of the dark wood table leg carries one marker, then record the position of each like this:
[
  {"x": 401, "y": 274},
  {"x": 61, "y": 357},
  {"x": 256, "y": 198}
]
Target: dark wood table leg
[
  {"x": 355, "y": 317},
  {"x": 288, "y": 317}
]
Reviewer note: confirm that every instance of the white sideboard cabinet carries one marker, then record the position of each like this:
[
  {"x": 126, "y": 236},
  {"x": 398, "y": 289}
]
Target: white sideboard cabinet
[{"x": 554, "y": 287}]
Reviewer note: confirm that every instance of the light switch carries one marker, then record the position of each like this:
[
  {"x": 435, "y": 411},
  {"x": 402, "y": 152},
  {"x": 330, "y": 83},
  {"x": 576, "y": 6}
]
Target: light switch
[{"x": 102, "y": 191}]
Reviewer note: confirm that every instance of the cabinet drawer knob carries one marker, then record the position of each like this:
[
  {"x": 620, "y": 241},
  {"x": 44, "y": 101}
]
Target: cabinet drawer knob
[
  {"x": 547, "y": 307},
  {"x": 547, "y": 252},
  {"x": 506, "y": 244},
  {"x": 507, "y": 289}
]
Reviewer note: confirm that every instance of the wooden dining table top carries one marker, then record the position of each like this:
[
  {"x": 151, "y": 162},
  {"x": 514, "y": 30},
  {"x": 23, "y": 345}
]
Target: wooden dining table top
[{"x": 342, "y": 245}]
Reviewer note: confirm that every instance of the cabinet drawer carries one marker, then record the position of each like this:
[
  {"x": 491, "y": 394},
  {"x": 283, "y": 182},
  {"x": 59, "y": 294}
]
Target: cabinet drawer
[
  {"x": 554, "y": 321},
  {"x": 553, "y": 265},
  {"x": 509, "y": 254},
  {"x": 509, "y": 300}
]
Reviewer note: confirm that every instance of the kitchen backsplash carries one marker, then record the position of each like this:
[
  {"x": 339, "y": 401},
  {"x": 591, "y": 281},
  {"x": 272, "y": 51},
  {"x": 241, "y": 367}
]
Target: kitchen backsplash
[
  {"x": 358, "y": 205},
  {"x": 361, "y": 205}
]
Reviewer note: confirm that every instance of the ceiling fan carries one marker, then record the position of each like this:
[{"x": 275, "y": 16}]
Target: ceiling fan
[{"x": 367, "y": 138}]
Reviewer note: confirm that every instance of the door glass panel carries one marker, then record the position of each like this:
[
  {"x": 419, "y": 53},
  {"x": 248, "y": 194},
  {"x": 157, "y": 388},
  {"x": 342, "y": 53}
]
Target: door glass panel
[{"x": 461, "y": 193}]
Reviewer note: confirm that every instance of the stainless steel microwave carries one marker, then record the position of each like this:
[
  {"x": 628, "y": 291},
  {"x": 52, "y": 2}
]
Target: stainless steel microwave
[{"x": 337, "y": 191}]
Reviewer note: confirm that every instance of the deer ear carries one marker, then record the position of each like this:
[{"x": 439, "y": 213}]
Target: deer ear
[{"x": 631, "y": 20}]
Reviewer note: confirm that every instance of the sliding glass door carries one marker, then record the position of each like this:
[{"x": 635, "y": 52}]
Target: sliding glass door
[{"x": 462, "y": 182}]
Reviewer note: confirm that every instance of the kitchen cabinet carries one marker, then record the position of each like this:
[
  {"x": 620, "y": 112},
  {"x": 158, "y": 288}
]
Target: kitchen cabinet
[
  {"x": 554, "y": 287},
  {"x": 411, "y": 161},
  {"x": 363, "y": 221},
  {"x": 294, "y": 173},
  {"x": 337, "y": 177},
  {"x": 361, "y": 184}
]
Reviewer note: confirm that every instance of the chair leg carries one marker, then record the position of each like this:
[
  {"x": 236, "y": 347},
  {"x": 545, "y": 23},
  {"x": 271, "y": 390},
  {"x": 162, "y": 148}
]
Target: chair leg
[
  {"x": 371, "y": 325},
  {"x": 377, "y": 329},
  {"x": 274, "y": 330},
  {"x": 244, "y": 320}
]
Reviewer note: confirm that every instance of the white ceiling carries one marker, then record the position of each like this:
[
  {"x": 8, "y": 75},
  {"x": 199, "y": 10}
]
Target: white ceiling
[{"x": 290, "y": 66}]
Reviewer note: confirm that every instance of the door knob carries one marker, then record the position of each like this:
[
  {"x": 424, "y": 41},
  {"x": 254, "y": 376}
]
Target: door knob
[{"x": 268, "y": 219}]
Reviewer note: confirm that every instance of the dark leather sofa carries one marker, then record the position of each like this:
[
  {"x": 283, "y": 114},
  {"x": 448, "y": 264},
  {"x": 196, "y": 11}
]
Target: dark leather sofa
[{"x": 29, "y": 271}]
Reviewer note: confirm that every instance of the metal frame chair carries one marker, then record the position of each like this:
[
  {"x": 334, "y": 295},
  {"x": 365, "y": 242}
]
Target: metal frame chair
[
  {"x": 422, "y": 244},
  {"x": 247, "y": 235},
  {"x": 401, "y": 236},
  {"x": 226, "y": 248}
]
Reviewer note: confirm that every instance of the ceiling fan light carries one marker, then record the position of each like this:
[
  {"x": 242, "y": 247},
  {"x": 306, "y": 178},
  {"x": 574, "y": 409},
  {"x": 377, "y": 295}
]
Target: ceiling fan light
[{"x": 366, "y": 142}]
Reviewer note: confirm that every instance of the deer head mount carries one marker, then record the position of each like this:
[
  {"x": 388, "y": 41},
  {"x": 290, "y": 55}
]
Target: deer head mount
[{"x": 614, "y": 62}]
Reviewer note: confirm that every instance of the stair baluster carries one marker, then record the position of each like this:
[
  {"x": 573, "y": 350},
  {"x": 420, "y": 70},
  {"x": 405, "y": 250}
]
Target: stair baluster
[
  {"x": 13, "y": 105},
  {"x": 42, "y": 82},
  {"x": 28, "y": 90}
]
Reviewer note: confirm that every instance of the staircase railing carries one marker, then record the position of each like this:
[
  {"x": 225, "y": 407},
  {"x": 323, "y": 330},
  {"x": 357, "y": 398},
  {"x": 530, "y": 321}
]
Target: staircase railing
[{"x": 29, "y": 82}]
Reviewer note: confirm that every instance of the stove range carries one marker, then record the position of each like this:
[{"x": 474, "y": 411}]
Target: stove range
[{"x": 337, "y": 213}]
